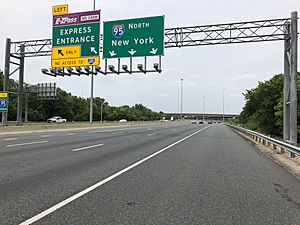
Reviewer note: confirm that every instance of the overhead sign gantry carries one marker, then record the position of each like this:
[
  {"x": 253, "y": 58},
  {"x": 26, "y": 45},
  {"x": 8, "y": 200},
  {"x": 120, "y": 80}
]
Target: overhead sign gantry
[{"x": 285, "y": 29}]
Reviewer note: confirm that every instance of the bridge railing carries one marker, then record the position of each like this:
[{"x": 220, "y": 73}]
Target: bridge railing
[{"x": 268, "y": 141}]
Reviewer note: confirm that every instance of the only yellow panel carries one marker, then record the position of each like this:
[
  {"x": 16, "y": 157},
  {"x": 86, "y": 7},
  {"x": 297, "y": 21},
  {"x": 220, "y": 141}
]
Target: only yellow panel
[
  {"x": 86, "y": 61},
  {"x": 3, "y": 95},
  {"x": 68, "y": 52},
  {"x": 60, "y": 9}
]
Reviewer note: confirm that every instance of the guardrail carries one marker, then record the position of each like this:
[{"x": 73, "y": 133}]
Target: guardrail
[{"x": 268, "y": 141}]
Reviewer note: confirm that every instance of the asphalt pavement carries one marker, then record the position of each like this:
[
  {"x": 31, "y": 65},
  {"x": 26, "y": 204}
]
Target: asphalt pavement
[{"x": 175, "y": 173}]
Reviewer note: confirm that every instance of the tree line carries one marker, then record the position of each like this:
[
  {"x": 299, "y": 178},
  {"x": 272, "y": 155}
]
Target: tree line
[
  {"x": 263, "y": 110},
  {"x": 75, "y": 108}
]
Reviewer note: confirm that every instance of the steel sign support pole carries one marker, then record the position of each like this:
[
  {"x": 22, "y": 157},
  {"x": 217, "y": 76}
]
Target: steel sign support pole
[
  {"x": 20, "y": 88},
  {"x": 6, "y": 75},
  {"x": 92, "y": 96},
  {"x": 286, "y": 83},
  {"x": 92, "y": 84},
  {"x": 293, "y": 89}
]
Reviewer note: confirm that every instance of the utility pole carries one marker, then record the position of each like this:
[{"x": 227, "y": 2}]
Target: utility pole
[
  {"x": 92, "y": 84},
  {"x": 26, "y": 107},
  {"x": 181, "y": 99},
  {"x": 101, "y": 109}
]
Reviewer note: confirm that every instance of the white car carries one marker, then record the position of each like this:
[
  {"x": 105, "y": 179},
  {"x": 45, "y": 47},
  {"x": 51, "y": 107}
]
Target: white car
[
  {"x": 122, "y": 120},
  {"x": 56, "y": 119}
]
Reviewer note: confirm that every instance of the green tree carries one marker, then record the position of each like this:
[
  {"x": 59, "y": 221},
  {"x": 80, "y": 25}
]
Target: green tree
[
  {"x": 1, "y": 80},
  {"x": 74, "y": 108},
  {"x": 263, "y": 110}
]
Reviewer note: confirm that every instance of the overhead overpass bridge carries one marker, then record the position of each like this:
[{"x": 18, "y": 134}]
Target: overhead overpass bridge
[{"x": 207, "y": 116}]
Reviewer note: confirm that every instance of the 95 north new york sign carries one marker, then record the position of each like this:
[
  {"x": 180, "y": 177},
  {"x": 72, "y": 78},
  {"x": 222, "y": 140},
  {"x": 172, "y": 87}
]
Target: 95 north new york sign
[
  {"x": 134, "y": 37},
  {"x": 76, "y": 39}
]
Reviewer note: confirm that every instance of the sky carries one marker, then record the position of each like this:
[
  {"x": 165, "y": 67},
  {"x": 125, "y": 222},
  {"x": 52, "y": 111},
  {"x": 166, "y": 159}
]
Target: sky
[{"x": 205, "y": 70}]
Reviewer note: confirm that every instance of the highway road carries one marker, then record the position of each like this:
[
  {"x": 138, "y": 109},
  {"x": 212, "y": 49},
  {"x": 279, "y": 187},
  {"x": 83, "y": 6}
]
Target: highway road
[{"x": 174, "y": 173}]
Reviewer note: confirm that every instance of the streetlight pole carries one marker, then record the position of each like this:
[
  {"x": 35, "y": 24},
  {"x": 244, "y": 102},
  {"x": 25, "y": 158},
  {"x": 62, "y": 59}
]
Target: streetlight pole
[
  {"x": 223, "y": 105},
  {"x": 92, "y": 83},
  {"x": 181, "y": 99},
  {"x": 101, "y": 109},
  {"x": 203, "y": 108},
  {"x": 178, "y": 101}
]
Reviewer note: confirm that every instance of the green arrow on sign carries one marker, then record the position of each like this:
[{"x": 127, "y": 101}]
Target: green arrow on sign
[{"x": 134, "y": 37}]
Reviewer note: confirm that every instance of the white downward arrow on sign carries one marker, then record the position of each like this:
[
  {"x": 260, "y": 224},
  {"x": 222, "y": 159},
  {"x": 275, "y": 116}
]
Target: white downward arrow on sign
[
  {"x": 112, "y": 53},
  {"x": 153, "y": 51},
  {"x": 132, "y": 52},
  {"x": 93, "y": 49}
]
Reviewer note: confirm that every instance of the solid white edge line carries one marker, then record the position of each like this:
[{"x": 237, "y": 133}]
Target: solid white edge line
[
  {"x": 26, "y": 143},
  {"x": 151, "y": 134},
  {"x": 89, "y": 189},
  {"x": 87, "y": 147}
]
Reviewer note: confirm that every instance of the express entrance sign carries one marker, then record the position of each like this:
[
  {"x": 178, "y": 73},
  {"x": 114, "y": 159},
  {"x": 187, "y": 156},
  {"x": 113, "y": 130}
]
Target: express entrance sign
[
  {"x": 134, "y": 37},
  {"x": 76, "y": 39},
  {"x": 3, "y": 101}
]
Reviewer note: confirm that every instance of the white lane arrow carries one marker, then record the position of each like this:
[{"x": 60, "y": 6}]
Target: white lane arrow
[
  {"x": 112, "y": 53},
  {"x": 153, "y": 51},
  {"x": 132, "y": 52},
  {"x": 93, "y": 49}
]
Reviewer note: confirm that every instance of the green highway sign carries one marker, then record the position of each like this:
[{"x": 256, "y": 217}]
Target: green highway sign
[
  {"x": 134, "y": 37},
  {"x": 76, "y": 39},
  {"x": 3, "y": 101}
]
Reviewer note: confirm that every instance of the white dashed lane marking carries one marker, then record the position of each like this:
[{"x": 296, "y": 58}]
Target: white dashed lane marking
[
  {"x": 87, "y": 147},
  {"x": 26, "y": 143}
]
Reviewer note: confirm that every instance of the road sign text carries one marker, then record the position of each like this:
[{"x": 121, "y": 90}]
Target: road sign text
[
  {"x": 134, "y": 37},
  {"x": 76, "y": 35}
]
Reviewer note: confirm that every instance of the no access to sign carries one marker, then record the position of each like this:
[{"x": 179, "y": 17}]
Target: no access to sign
[{"x": 76, "y": 39}]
